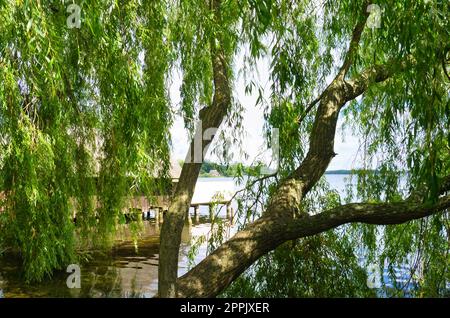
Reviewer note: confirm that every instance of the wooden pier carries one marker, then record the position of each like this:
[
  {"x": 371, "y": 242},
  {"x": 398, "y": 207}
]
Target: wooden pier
[
  {"x": 159, "y": 211},
  {"x": 138, "y": 206}
]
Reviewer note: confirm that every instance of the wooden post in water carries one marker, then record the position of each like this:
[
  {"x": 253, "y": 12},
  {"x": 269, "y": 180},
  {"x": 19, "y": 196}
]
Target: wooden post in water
[
  {"x": 155, "y": 211},
  {"x": 211, "y": 212},
  {"x": 188, "y": 220},
  {"x": 231, "y": 216},
  {"x": 228, "y": 211},
  {"x": 160, "y": 215},
  {"x": 196, "y": 214}
]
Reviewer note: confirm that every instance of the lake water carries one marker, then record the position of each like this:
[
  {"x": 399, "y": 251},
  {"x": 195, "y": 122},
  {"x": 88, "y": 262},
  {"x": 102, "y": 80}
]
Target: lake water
[{"x": 130, "y": 269}]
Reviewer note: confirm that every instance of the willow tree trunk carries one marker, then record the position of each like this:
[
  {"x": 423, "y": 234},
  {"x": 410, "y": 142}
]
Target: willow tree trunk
[{"x": 210, "y": 117}]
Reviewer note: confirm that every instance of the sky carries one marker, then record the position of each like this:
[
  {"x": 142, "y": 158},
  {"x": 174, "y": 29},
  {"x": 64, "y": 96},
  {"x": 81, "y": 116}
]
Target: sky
[{"x": 254, "y": 143}]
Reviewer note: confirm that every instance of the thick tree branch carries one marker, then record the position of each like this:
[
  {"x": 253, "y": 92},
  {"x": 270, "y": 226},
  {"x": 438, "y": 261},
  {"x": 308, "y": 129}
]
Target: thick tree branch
[
  {"x": 354, "y": 43},
  {"x": 348, "y": 60},
  {"x": 286, "y": 202},
  {"x": 375, "y": 74},
  {"x": 224, "y": 265}
]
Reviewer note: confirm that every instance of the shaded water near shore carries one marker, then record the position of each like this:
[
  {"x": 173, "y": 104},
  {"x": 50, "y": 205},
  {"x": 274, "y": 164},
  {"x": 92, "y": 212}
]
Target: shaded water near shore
[{"x": 130, "y": 268}]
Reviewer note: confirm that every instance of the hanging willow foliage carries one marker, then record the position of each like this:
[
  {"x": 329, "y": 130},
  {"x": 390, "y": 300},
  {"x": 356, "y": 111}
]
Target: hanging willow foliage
[{"x": 84, "y": 116}]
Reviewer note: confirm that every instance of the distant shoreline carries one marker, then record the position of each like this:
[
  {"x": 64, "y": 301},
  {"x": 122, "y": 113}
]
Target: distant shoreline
[
  {"x": 216, "y": 170},
  {"x": 338, "y": 172},
  {"x": 329, "y": 172}
]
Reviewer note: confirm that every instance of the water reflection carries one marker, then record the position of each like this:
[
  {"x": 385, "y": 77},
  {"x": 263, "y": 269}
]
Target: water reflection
[{"x": 129, "y": 269}]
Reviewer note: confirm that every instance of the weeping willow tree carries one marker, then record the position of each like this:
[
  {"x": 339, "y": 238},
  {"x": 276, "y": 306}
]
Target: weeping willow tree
[
  {"x": 85, "y": 119},
  {"x": 84, "y": 116}
]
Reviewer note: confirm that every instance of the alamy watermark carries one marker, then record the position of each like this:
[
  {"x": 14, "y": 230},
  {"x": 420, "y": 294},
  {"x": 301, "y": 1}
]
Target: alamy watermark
[
  {"x": 203, "y": 137},
  {"x": 74, "y": 19},
  {"x": 374, "y": 19},
  {"x": 373, "y": 276},
  {"x": 74, "y": 279}
]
